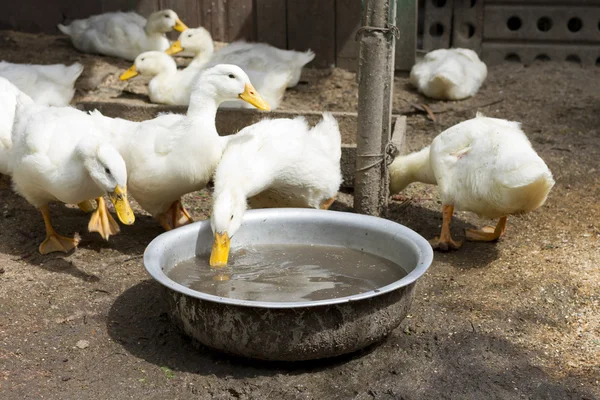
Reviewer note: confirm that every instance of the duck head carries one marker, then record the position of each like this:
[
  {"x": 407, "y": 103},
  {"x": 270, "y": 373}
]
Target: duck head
[
  {"x": 226, "y": 82},
  {"x": 196, "y": 40},
  {"x": 107, "y": 169},
  {"x": 164, "y": 21},
  {"x": 228, "y": 210},
  {"x": 150, "y": 63}
]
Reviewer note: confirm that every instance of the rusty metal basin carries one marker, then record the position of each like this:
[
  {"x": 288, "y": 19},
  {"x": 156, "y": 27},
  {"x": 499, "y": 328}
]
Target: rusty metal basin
[{"x": 293, "y": 331}]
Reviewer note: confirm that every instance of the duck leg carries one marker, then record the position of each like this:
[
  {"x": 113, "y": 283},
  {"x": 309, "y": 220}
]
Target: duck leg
[
  {"x": 444, "y": 242},
  {"x": 165, "y": 220},
  {"x": 174, "y": 217},
  {"x": 86, "y": 206},
  {"x": 487, "y": 233},
  {"x": 54, "y": 242},
  {"x": 102, "y": 222},
  {"x": 180, "y": 215},
  {"x": 325, "y": 204}
]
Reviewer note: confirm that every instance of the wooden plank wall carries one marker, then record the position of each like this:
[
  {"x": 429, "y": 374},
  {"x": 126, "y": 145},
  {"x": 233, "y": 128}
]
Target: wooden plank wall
[
  {"x": 327, "y": 27},
  {"x": 311, "y": 25},
  {"x": 271, "y": 22}
]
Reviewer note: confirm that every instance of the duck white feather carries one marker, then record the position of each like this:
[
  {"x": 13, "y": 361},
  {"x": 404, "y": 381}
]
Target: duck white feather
[
  {"x": 11, "y": 98},
  {"x": 248, "y": 56},
  {"x": 449, "y": 74},
  {"x": 51, "y": 85},
  {"x": 123, "y": 34},
  {"x": 168, "y": 85},
  {"x": 174, "y": 87},
  {"x": 70, "y": 163},
  {"x": 274, "y": 163},
  {"x": 168, "y": 161},
  {"x": 483, "y": 165}
]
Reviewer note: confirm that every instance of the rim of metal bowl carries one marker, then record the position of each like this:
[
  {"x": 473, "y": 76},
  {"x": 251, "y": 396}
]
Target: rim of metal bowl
[{"x": 422, "y": 247}]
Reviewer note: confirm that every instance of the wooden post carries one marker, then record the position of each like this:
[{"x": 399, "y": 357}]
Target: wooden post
[{"x": 375, "y": 87}]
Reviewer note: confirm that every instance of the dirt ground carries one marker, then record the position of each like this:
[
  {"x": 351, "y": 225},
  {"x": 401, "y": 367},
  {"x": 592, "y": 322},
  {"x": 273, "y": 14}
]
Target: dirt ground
[{"x": 519, "y": 319}]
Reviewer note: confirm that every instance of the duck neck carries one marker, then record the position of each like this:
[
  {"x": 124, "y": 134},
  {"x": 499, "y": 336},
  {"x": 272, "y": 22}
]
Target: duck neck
[
  {"x": 204, "y": 103},
  {"x": 166, "y": 72},
  {"x": 414, "y": 167},
  {"x": 154, "y": 28},
  {"x": 166, "y": 77},
  {"x": 203, "y": 56}
]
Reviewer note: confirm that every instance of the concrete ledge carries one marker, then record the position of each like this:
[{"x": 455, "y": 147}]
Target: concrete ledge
[
  {"x": 232, "y": 120},
  {"x": 229, "y": 120}
]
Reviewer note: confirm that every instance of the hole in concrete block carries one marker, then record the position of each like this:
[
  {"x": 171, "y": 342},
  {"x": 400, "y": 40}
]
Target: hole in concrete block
[
  {"x": 573, "y": 58},
  {"x": 512, "y": 57},
  {"x": 598, "y": 62},
  {"x": 438, "y": 3},
  {"x": 436, "y": 29},
  {"x": 575, "y": 24},
  {"x": 514, "y": 23},
  {"x": 544, "y": 24},
  {"x": 467, "y": 30},
  {"x": 542, "y": 57},
  {"x": 473, "y": 2}
]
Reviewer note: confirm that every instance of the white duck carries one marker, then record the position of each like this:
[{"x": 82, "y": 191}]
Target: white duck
[
  {"x": 168, "y": 85},
  {"x": 71, "y": 163},
  {"x": 449, "y": 74},
  {"x": 274, "y": 163},
  {"x": 10, "y": 99},
  {"x": 123, "y": 34},
  {"x": 483, "y": 165},
  {"x": 248, "y": 56},
  {"x": 51, "y": 85},
  {"x": 166, "y": 162},
  {"x": 172, "y": 86}
]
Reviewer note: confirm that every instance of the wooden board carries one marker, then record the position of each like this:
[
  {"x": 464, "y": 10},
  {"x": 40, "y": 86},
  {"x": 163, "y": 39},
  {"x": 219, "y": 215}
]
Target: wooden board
[
  {"x": 347, "y": 22},
  {"x": 271, "y": 22},
  {"x": 240, "y": 20},
  {"x": 406, "y": 45},
  {"x": 142, "y": 7},
  {"x": 187, "y": 10},
  {"x": 43, "y": 16},
  {"x": 230, "y": 121},
  {"x": 311, "y": 25},
  {"x": 213, "y": 15}
]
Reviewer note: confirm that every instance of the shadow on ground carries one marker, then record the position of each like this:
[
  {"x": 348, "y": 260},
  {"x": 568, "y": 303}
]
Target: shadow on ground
[
  {"x": 409, "y": 364},
  {"x": 23, "y": 221},
  {"x": 138, "y": 319}
]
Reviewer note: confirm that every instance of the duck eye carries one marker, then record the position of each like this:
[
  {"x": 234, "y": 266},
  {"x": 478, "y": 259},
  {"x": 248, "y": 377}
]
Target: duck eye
[
  {"x": 232, "y": 76},
  {"x": 190, "y": 35},
  {"x": 166, "y": 15},
  {"x": 107, "y": 171},
  {"x": 231, "y": 216},
  {"x": 142, "y": 59}
]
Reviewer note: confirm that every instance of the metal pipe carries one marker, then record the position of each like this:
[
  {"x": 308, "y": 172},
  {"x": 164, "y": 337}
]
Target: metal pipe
[{"x": 375, "y": 87}]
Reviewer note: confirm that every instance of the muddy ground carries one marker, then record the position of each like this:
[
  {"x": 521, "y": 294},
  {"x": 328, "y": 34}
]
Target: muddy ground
[{"x": 511, "y": 320}]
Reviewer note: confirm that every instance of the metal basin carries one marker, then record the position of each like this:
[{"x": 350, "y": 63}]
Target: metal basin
[{"x": 293, "y": 331}]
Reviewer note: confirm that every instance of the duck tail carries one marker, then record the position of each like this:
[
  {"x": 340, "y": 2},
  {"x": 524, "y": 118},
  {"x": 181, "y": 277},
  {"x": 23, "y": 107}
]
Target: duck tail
[
  {"x": 73, "y": 72},
  {"x": 527, "y": 187},
  {"x": 64, "y": 29},
  {"x": 327, "y": 132},
  {"x": 303, "y": 58},
  {"x": 443, "y": 79}
]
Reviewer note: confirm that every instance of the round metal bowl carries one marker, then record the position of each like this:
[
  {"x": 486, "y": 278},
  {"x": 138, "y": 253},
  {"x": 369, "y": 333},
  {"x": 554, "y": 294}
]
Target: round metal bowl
[{"x": 293, "y": 331}]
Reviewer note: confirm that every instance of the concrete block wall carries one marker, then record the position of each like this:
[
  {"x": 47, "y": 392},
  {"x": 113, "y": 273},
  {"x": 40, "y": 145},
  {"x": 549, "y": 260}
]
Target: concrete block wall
[{"x": 516, "y": 30}]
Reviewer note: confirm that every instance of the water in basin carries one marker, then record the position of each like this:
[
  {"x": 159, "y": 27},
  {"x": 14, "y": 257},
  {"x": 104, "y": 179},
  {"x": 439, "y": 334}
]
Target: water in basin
[{"x": 288, "y": 273}]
